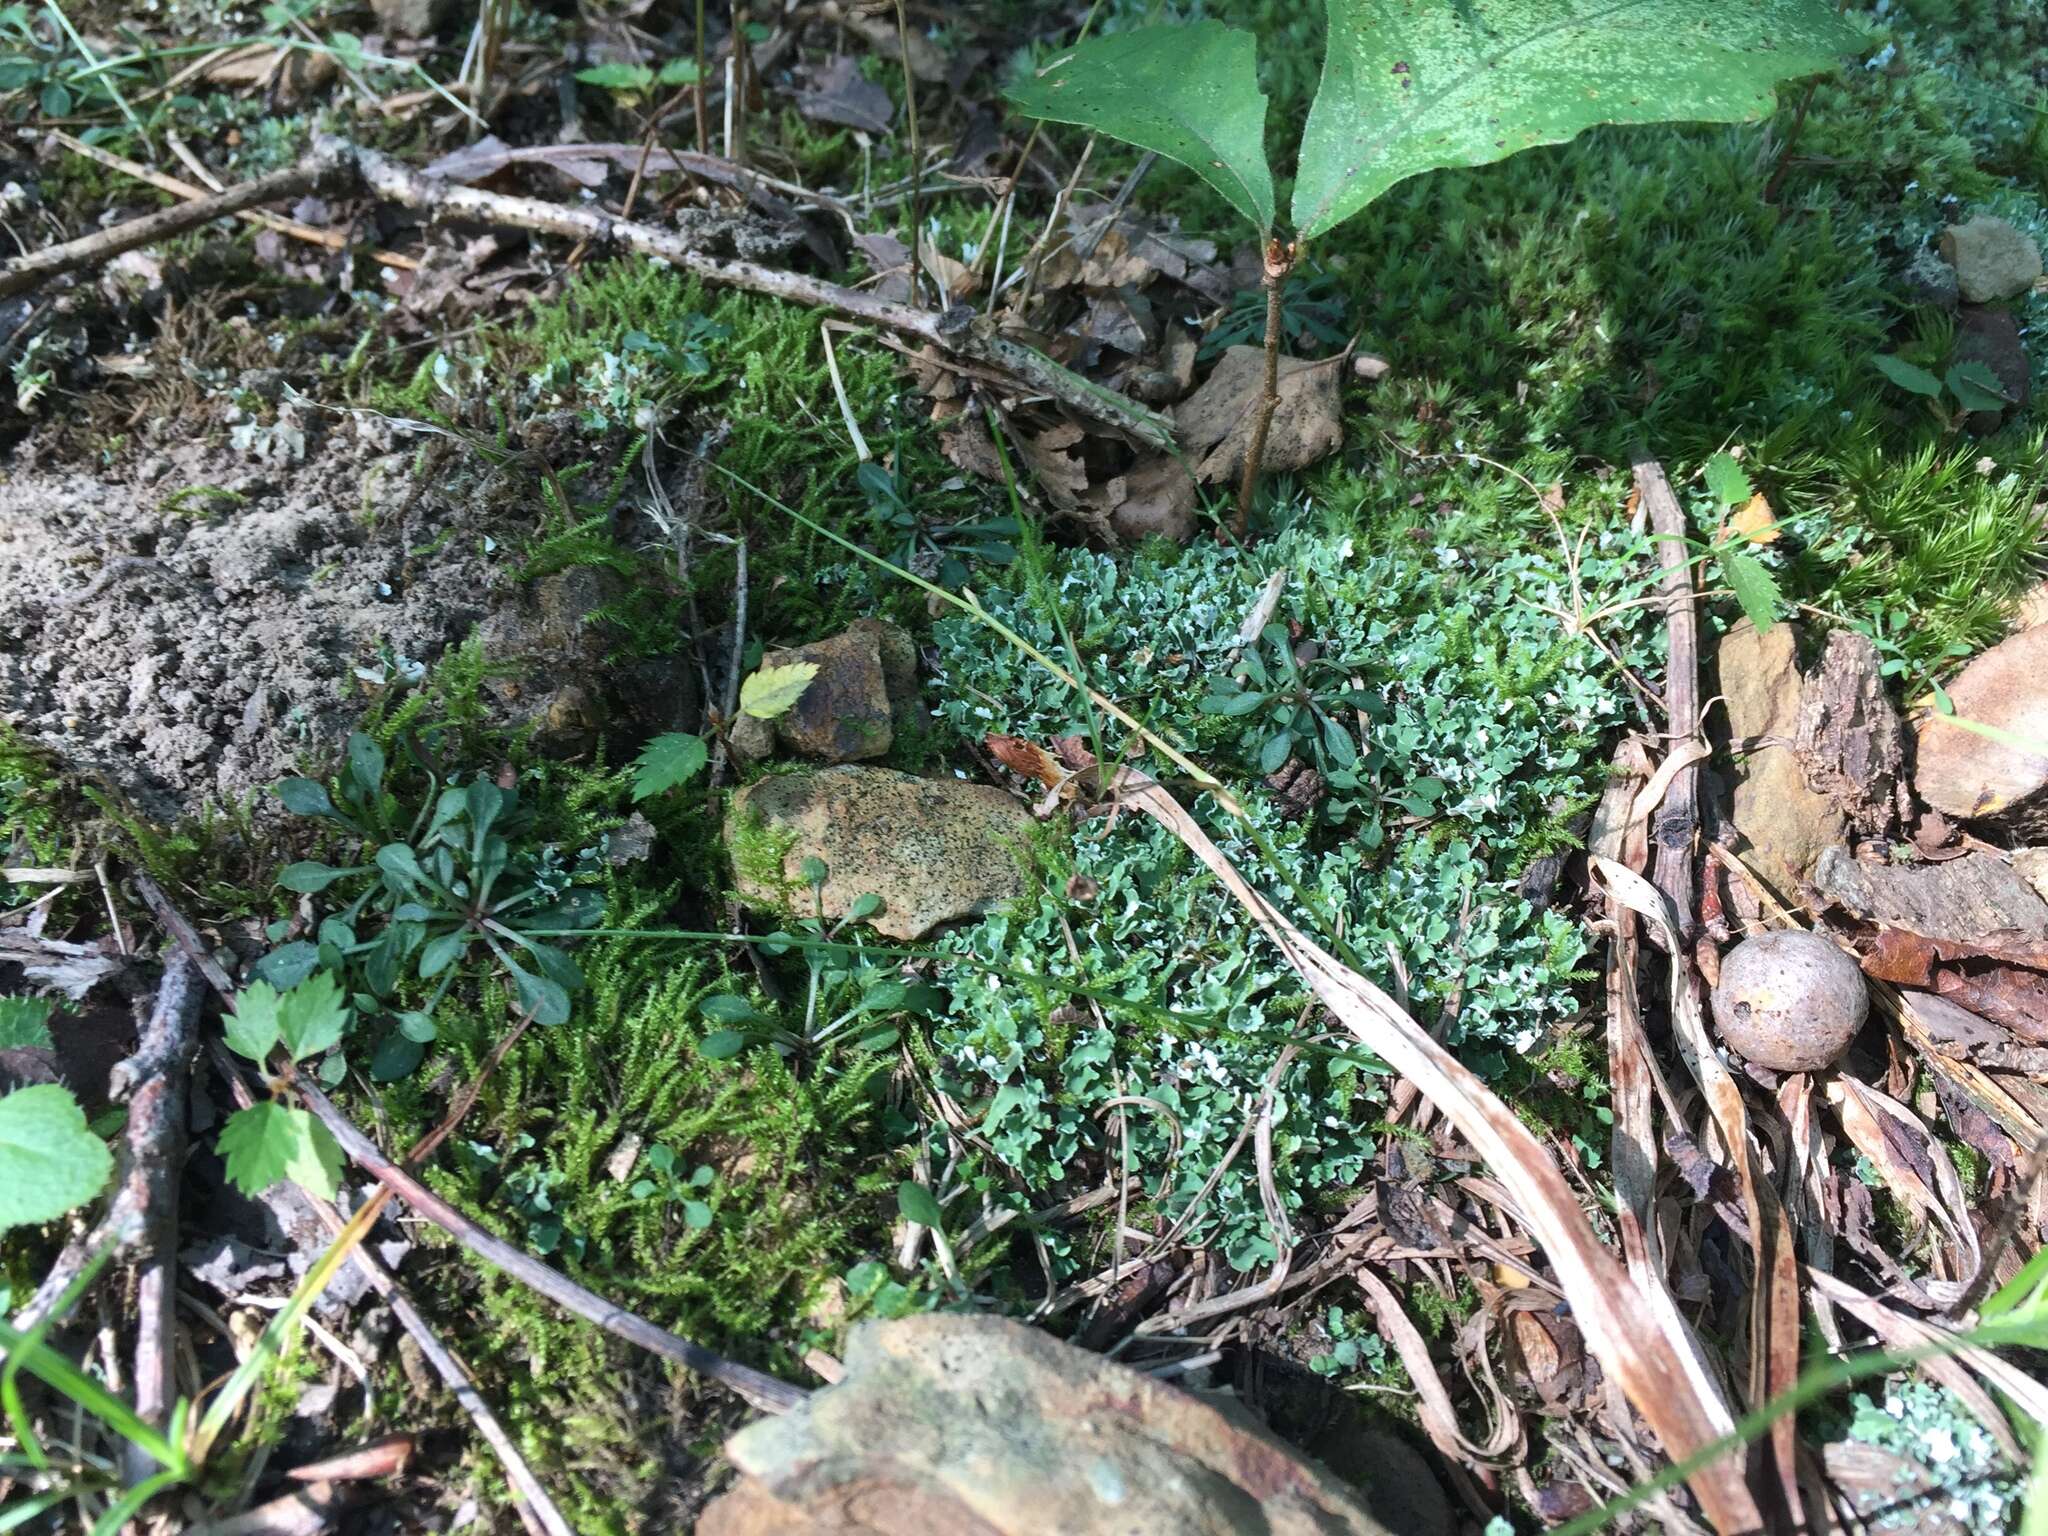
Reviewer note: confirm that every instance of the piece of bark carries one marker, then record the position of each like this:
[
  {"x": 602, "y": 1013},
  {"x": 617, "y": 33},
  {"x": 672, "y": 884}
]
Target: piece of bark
[
  {"x": 1851, "y": 743},
  {"x": 2004, "y": 994},
  {"x": 1977, "y": 899}
]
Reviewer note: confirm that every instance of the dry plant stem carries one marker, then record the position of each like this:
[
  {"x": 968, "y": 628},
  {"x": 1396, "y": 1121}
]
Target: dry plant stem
[
  {"x": 18, "y": 274},
  {"x": 1619, "y": 1331},
  {"x": 1677, "y": 821},
  {"x": 916, "y": 164},
  {"x": 1279, "y": 262},
  {"x": 332, "y": 239},
  {"x": 702, "y": 89}
]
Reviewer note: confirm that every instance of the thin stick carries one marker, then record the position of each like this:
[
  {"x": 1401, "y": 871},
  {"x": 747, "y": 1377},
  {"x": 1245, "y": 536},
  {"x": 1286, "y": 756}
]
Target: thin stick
[
  {"x": 703, "y": 84},
  {"x": 333, "y": 239},
  {"x": 18, "y": 274},
  {"x": 1677, "y": 819},
  {"x": 916, "y": 165}
]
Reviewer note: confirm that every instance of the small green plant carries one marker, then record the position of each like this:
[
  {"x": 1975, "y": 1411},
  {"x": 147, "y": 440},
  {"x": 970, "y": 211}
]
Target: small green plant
[
  {"x": 631, "y": 82},
  {"x": 1755, "y": 588},
  {"x": 276, "y": 1140},
  {"x": 940, "y": 549},
  {"x": 670, "y": 759},
  {"x": 50, "y": 1160},
  {"x": 1410, "y": 88},
  {"x": 454, "y": 888},
  {"x": 1354, "y": 1346},
  {"x": 1301, "y": 703},
  {"x": 663, "y": 1182},
  {"x": 1971, "y": 386}
]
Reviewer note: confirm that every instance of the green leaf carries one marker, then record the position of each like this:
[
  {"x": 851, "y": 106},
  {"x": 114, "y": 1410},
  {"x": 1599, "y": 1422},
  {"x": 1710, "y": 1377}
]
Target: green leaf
[
  {"x": 397, "y": 1056},
  {"x": 309, "y": 876},
  {"x": 696, "y": 1215},
  {"x": 1409, "y": 87},
  {"x": 919, "y": 1204},
  {"x": 252, "y": 1029},
  {"x": 774, "y": 691},
  {"x": 50, "y": 1161},
  {"x": 617, "y": 76},
  {"x": 864, "y": 906},
  {"x": 417, "y": 1025},
  {"x": 1726, "y": 482},
  {"x": 288, "y": 964},
  {"x": 721, "y": 1044},
  {"x": 666, "y": 761},
  {"x": 311, "y": 1015},
  {"x": 1977, "y": 388},
  {"x": 725, "y": 1008},
  {"x": 1907, "y": 376},
  {"x": 677, "y": 72},
  {"x": 366, "y": 764},
  {"x": 25, "y": 1023},
  {"x": 305, "y": 797},
  {"x": 1190, "y": 93},
  {"x": 1754, "y": 586},
  {"x": 268, "y": 1143},
  {"x": 1231, "y": 703}
]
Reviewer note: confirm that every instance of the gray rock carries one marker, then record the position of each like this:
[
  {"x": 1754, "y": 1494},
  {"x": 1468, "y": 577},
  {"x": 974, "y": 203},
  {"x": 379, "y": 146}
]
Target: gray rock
[
  {"x": 1784, "y": 823},
  {"x": 1993, "y": 260},
  {"x": 934, "y": 850},
  {"x": 1964, "y": 774},
  {"x": 1927, "y": 279},
  {"x": 977, "y": 1426}
]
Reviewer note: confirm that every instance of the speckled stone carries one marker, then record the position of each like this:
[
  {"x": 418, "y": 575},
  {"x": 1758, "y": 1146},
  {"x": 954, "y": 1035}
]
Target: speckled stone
[
  {"x": 979, "y": 1426},
  {"x": 934, "y": 850}
]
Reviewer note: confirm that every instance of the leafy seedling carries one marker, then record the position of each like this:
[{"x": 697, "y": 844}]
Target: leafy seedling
[
  {"x": 1971, "y": 386},
  {"x": 25, "y": 1023},
  {"x": 663, "y": 1183},
  {"x": 274, "y": 1141},
  {"x": 1755, "y": 588},
  {"x": 1408, "y": 88},
  {"x": 455, "y": 887},
  {"x": 911, "y": 539}
]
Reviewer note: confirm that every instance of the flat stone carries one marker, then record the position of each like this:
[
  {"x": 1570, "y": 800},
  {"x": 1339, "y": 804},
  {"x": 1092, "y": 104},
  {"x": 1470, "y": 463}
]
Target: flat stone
[
  {"x": 934, "y": 850},
  {"x": 1993, "y": 260},
  {"x": 1965, "y": 774},
  {"x": 865, "y": 688},
  {"x": 978, "y": 1426},
  {"x": 1784, "y": 823}
]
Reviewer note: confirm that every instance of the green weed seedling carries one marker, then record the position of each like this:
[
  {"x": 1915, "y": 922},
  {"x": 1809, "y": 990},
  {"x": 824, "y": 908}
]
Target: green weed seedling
[
  {"x": 665, "y": 1183},
  {"x": 917, "y": 542},
  {"x": 1953, "y": 396},
  {"x": 1408, "y": 89},
  {"x": 451, "y": 890}
]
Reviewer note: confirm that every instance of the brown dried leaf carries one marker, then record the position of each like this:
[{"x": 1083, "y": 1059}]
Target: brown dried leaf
[
  {"x": 1216, "y": 420},
  {"x": 1026, "y": 758},
  {"x": 838, "y": 93}
]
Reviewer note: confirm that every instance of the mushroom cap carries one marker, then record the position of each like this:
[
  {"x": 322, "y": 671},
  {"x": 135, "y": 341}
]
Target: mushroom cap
[{"x": 1789, "y": 1000}]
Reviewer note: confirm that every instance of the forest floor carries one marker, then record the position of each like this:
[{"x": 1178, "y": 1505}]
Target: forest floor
[{"x": 405, "y": 505}]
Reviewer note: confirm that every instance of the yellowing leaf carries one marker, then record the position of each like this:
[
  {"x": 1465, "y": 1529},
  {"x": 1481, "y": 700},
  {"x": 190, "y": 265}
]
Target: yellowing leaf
[
  {"x": 1756, "y": 523},
  {"x": 774, "y": 691}
]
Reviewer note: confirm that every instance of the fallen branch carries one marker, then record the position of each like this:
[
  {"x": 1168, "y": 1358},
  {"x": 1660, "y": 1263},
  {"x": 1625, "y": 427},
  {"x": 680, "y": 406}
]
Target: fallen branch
[
  {"x": 335, "y": 161},
  {"x": 1677, "y": 822},
  {"x": 18, "y": 274},
  {"x": 142, "y": 1217}
]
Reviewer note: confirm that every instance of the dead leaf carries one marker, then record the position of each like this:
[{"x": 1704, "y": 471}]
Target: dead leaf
[
  {"x": 1025, "y": 757},
  {"x": 1155, "y": 498},
  {"x": 839, "y": 93},
  {"x": 380, "y": 1458},
  {"x": 1216, "y": 420},
  {"x": 1058, "y": 471},
  {"x": 1755, "y": 523}
]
